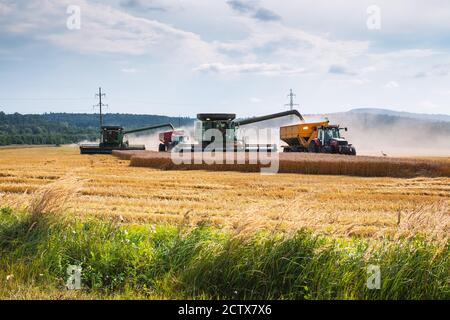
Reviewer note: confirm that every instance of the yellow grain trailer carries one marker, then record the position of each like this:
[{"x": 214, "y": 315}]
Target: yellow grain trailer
[{"x": 315, "y": 137}]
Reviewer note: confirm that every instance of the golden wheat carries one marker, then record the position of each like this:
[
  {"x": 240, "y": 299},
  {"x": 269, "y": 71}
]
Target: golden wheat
[
  {"x": 302, "y": 163},
  {"x": 244, "y": 201},
  {"x": 53, "y": 198}
]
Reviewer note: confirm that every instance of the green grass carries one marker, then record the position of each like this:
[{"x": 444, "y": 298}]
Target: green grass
[{"x": 164, "y": 261}]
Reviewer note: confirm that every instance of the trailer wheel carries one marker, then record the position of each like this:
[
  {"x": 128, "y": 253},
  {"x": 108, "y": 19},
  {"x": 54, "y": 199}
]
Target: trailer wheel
[
  {"x": 162, "y": 147},
  {"x": 313, "y": 147}
]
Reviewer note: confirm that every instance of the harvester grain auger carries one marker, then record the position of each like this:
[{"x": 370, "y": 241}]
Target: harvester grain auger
[
  {"x": 226, "y": 124},
  {"x": 112, "y": 138}
]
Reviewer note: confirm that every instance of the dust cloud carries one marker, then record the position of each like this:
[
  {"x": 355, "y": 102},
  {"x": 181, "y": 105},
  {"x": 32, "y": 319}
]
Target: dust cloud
[
  {"x": 151, "y": 140},
  {"x": 376, "y": 135},
  {"x": 394, "y": 136}
]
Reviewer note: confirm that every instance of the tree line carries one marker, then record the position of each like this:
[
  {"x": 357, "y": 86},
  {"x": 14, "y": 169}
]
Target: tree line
[{"x": 65, "y": 128}]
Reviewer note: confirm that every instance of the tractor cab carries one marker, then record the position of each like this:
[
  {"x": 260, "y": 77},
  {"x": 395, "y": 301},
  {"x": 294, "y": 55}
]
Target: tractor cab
[
  {"x": 332, "y": 141},
  {"x": 327, "y": 133}
]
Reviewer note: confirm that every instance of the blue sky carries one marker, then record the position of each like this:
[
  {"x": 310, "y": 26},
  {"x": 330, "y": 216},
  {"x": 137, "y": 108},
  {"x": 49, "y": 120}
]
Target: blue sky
[{"x": 181, "y": 57}]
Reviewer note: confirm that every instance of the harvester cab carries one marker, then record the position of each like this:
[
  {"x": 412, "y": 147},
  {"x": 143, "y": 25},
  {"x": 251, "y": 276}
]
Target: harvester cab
[
  {"x": 112, "y": 136},
  {"x": 223, "y": 122}
]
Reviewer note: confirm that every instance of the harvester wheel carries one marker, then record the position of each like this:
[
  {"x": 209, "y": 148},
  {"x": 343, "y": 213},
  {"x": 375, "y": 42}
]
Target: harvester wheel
[{"x": 162, "y": 147}]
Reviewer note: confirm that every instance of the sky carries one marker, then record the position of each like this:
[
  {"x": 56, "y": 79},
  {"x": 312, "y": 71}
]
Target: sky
[{"x": 182, "y": 57}]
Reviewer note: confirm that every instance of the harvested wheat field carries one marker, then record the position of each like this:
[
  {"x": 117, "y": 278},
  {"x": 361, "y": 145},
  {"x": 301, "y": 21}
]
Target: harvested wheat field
[
  {"x": 305, "y": 163},
  {"x": 108, "y": 187}
]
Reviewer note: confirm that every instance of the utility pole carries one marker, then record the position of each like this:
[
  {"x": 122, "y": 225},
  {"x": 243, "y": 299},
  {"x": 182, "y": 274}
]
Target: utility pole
[
  {"x": 291, "y": 103},
  {"x": 100, "y": 105}
]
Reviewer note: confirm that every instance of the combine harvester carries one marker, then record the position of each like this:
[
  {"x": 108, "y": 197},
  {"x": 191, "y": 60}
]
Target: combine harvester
[
  {"x": 226, "y": 124},
  {"x": 112, "y": 138},
  {"x": 315, "y": 137}
]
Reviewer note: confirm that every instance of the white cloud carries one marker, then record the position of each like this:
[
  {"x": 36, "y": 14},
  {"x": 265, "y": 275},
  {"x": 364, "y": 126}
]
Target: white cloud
[
  {"x": 119, "y": 32},
  {"x": 104, "y": 29},
  {"x": 128, "y": 70},
  {"x": 292, "y": 48},
  {"x": 341, "y": 70},
  {"x": 109, "y": 30},
  {"x": 146, "y": 5},
  {"x": 391, "y": 85},
  {"x": 427, "y": 105},
  {"x": 5, "y": 9},
  {"x": 255, "y": 100},
  {"x": 437, "y": 70},
  {"x": 444, "y": 92},
  {"x": 253, "y": 9},
  {"x": 400, "y": 17},
  {"x": 368, "y": 69},
  {"x": 359, "y": 81},
  {"x": 278, "y": 40},
  {"x": 248, "y": 68},
  {"x": 409, "y": 53}
]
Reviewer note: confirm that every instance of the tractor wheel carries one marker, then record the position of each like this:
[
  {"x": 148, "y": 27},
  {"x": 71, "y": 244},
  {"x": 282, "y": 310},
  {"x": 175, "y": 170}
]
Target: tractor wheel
[
  {"x": 313, "y": 147},
  {"x": 162, "y": 147}
]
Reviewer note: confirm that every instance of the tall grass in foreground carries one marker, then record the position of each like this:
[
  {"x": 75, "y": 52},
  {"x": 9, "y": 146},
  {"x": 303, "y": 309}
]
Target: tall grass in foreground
[{"x": 202, "y": 262}]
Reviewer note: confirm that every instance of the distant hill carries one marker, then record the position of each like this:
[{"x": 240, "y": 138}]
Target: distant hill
[{"x": 403, "y": 114}]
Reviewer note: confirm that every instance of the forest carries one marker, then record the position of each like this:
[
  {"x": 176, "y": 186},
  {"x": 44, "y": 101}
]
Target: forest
[{"x": 65, "y": 128}]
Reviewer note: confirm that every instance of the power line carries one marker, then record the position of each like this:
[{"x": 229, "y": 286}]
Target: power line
[
  {"x": 156, "y": 102},
  {"x": 119, "y": 99},
  {"x": 43, "y": 99},
  {"x": 100, "y": 105},
  {"x": 291, "y": 103}
]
